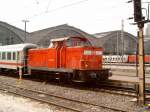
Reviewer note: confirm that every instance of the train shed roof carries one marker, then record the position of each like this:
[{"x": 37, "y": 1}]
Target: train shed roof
[{"x": 44, "y": 36}]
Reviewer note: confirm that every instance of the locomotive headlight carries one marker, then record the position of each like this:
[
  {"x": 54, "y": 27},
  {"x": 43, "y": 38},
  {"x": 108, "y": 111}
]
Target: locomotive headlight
[
  {"x": 99, "y": 52},
  {"x": 87, "y": 52}
]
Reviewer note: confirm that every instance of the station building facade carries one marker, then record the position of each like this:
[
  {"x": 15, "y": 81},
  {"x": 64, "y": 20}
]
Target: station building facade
[
  {"x": 113, "y": 42},
  {"x": 117, "y": 42}
]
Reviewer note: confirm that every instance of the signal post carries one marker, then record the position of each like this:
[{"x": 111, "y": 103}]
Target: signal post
[
  {"x": 141, "y": 70},
  {"x": 138, "y": 18}
]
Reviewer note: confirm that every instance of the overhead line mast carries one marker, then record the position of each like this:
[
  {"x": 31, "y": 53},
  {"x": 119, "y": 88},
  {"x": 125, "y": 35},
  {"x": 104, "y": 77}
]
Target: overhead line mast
[
  {"x": 122, "y": 37},
  {"x": 138, "y": 18},
  {"x": 140, "y": 21}
]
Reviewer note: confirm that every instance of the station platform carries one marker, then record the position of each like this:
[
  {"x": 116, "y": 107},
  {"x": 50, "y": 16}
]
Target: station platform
[{"x": 127, "y": 79}]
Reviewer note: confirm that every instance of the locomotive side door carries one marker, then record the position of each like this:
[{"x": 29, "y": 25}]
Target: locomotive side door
[{"x": 61, "y": 54}]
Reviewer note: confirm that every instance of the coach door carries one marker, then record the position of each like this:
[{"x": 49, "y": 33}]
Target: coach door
[
  {"x": 25, "y": 59},
  {"x": 61, "y": 54}
]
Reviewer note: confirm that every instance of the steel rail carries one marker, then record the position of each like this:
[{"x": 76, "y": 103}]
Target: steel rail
[
  {"x": 114, "y": 89},
  {"x": 123, "y": 64}
]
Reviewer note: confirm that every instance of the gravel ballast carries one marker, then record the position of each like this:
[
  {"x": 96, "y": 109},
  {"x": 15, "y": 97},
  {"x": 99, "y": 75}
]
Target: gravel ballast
[
  {"x": 10, "y": 103},
  {"x": 95, "y": 97}
]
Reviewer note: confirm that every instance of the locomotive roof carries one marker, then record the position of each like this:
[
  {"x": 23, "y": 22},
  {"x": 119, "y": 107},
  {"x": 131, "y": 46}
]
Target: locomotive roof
[
  {"x": 65, "y": 38},
  {"x": 17, "y": 47},
  {"x": 59, "y": 39}
]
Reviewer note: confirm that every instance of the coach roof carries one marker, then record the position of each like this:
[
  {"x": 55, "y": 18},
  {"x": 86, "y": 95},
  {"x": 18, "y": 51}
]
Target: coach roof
[{"x": 17, "y": 47}]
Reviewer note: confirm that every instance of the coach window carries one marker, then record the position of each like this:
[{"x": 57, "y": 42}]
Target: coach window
[
  {"x": 14, "y": 55},
  {"x": 3, "y": 55},
  {"x": 18, "y": 56},
  {"x": 0, "y": 55},
  {"x": 8, "y": 55}
]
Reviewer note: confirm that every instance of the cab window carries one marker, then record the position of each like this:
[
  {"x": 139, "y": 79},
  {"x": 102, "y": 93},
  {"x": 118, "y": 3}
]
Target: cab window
[
  {"x": 0, "y": 55},
  {"x": 77, "y": 42}
]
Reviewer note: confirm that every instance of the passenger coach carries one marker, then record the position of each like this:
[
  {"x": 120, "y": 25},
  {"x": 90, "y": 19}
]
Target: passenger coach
[{"x": 14, "y": 56}]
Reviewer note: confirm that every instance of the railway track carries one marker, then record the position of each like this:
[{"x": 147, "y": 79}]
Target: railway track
[
  {"x": 117, "y": 89},
  {"x": 104, "y": 86},
  {"x": 129, "y": 70},
  {"x": 66, "y": 103},
  {"x": 108, "y": 87},
  {"x": 127, "y": 90},
  {"x": 123, "y": 64}
]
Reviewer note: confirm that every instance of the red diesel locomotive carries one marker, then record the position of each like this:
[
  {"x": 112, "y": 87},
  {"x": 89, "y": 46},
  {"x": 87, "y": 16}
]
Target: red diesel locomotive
[{"x": 71, "y": 57}]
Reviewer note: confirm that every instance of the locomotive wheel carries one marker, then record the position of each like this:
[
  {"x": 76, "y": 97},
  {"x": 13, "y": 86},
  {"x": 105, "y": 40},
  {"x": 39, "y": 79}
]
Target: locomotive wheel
[
  {"x": 103, "y": 75},
  {"x": 65, "y": 77},
  {"x": 80, "y": 76}
]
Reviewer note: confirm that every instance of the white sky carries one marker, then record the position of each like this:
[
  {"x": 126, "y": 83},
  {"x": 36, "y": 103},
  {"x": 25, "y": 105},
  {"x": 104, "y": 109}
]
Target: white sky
[{"x": 92, "y": 16}]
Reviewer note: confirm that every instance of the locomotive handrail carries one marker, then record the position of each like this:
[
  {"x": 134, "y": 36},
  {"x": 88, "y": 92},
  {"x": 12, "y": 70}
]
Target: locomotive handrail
[{"x": 61, "y": 56}]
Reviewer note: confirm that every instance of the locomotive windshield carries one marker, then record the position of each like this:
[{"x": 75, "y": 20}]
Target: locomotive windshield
[{"x": 72, "y": 42}]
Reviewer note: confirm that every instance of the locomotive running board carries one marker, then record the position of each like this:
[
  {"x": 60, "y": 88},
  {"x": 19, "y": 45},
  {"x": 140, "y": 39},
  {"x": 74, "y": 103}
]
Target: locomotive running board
[{"x": 51, "y": 69}]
